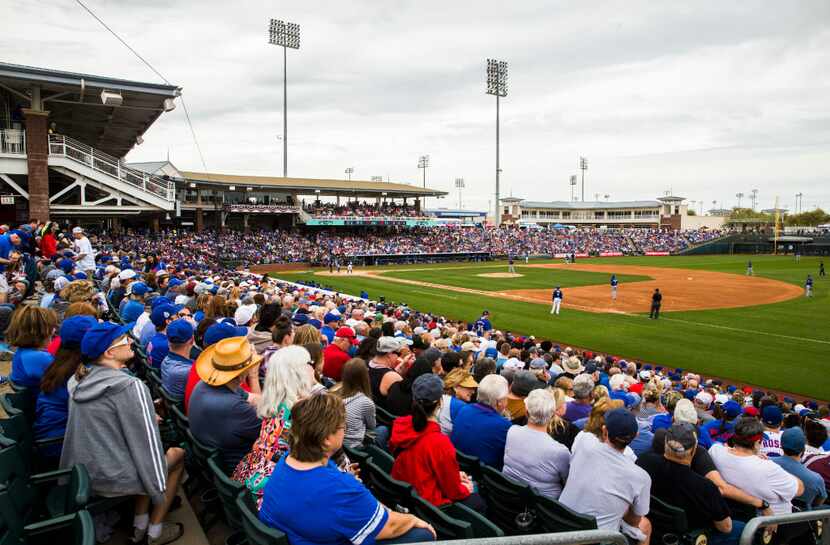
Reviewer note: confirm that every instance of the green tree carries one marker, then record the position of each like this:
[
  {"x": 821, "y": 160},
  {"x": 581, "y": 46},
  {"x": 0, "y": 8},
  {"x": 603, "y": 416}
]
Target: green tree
[{"x": 809, "y": 218}]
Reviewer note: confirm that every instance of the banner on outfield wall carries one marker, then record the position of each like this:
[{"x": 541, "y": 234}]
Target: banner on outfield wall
[
  {"x": 372, "y": 221},
  {"x": 563, "y": 256},
  {"x": 610, "y": 254},
  {"x": 657, "y": 253}
]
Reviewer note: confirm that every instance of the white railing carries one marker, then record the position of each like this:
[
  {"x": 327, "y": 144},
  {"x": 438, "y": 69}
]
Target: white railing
[
  {"x": 13, "y": 141},
  {"x": 63, "y": 146}
]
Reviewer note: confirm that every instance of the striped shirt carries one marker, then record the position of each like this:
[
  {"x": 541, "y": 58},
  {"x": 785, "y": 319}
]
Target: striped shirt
[{"x": 360, "y": 416}]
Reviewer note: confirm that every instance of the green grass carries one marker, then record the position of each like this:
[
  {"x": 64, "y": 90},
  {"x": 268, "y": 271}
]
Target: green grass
[
  {"x": 784, "y": 346},
  {"x": 466, "y": 276}
]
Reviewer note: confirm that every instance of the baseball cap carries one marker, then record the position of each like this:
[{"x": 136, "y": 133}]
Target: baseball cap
[
  {"x": 175, "y": 282},
  {"x": 732, "y": 409},
  {"x": 386, "y": 345},
  {"x": 346, "y": 332},
  {"x": 514, "y": 363},
  {"x": 162, "y": 313},
  {"x": 222, "y": 330},
  {"x": 793, "y": 439},
  {"x": 772, "y": 415},
  {"x": 538, "y": 363},
  {"x": 331, "y": 317},
  {"x": 244, "y": 314},
  {"x": 681, "y": 438},
  {"x": 684, "y": 411},
  {"x": 76, "y": 230},
  {"x": 99, "y": 338},
  {"x": 132, "y": 311},
  {"x": 525, "y": 382},
  {"x": 179, "y": 331},
  {"x": 620, "y": 423},
  {"x": 419, "y": 342},
  {"x": 427, "y": 387},
  {"x": 66, "y": 265},
  {"x": 127, "y": 274},
  {"x": 73, "y": 329},
  {"x": 704, "y": 398},
  {"x": 139, "y": 288},
  {"x": 60, "y": 283}
]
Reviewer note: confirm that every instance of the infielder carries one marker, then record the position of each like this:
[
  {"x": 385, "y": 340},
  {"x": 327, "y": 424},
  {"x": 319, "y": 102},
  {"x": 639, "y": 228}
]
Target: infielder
[
  {"x": 557, "y": 301},
  {"x": 798, "y": 256},
  {"x": 510, "y": 267},
  {"x": 614, "y": 284},
  {"x": 821, "y": 269},
  {"x": 749, "y": 268},
  {"x": 349, "y": 268},
  {"x": 808, "y": 286},
  {"x": 656, "y": 301}
]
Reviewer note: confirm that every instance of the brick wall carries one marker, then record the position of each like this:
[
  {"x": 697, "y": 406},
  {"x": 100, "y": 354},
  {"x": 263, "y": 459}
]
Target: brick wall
[{"x": 37, "y": 151}]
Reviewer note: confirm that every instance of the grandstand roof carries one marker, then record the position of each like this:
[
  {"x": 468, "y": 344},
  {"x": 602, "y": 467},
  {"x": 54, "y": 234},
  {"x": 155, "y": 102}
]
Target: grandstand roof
[
  {"x": 589, "y": 205},
  {"x": 309, "y": 186},
  {"x": 73, "y": 101}
]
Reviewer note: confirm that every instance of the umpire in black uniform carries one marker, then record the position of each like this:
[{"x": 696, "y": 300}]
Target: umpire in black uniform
[{"x": 656, "y": 299}]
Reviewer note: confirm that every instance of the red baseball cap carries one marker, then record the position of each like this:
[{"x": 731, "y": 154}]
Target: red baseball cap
[{"x": 345, "y": 332}]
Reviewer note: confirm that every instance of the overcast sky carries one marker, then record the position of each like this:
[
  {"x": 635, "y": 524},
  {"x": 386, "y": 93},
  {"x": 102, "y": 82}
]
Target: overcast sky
[{"x": 707, "y": 100}]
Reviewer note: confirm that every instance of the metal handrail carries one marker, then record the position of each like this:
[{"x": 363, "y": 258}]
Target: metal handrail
[
  {"x": 13, "y": 141},
  {"x": 559, "y": 538},
  {"x": 757, "y": 523},
  {"x": 64, "y": 146}
]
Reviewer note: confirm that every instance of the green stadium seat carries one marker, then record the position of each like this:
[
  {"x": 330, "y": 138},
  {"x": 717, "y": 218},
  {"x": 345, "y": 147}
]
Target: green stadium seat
[
  {"x": 257, "y": 532},
  {"x": 361, "y": 457},
  {"x": 552, "y": 516},
  {"x": 469, "y": 464},
  {"x": 36, "y": 456},
  {"x": 202, "y": 473},
  {"x": 384, "y": 417},
  {"x": 229, "y": 490},
  {"x": 668, "y": 519},
  {"x": 392, "y": 493},
  {"x": 480, "y": 525},
  {"x": 77, "y": 528},
  {"x": 383, "y": 459},
  {"x": 21, "y": 401},
  {"x": 509, "y": 502},
  {"x": 444, "y": 524}
]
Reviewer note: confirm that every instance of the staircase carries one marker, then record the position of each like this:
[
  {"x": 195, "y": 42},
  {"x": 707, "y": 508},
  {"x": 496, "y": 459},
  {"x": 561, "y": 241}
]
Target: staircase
[
  {"x": 68, "y": 154},
  {"x": 304, "y": 216}
]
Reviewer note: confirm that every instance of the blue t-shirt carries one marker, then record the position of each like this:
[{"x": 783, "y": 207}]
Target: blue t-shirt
[
  {"x": 51, "y": 415},
  {"x": 813, "y": 482},
  {"x": 157, "y": 349},
  {"x": 661, "y": 421},
  {"x": 28, "y": 366},
  {"x": 348, "y": 515},
  {"x": 711, "y": 429},
  {"x": 328, "y": 333},
  {"x": 5, "y": 248},
  {"x": 478, "y": 430},
  {"x": 174, "y": 372}
]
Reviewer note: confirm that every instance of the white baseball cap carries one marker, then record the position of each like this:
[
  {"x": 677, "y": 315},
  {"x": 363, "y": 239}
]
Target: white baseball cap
[
  {"x": 127, "y": 274},
  {"x": 704, "y": 398},
  {"x": 76, "y": 230},
  {"x": 244, "y": 314}
]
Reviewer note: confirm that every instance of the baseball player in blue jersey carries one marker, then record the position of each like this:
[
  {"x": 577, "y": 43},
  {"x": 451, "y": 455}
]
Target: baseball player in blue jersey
[
  {"x": 749, "y": 268},
  {"x": 510, "y": 267},
  {"x": 614, "y": 284},
  {"x": 808, "y": 286},
  {"x": 557, "y": 301}
]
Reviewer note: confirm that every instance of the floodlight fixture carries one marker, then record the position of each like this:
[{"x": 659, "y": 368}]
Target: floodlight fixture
[
  {"x": 497, "y": 86},
  {"x": 583, "y": 166},
  {"x": 349, "y": 171},
  {"x": 287, "y": 36},
  {"x": 377, "y": 178},
  {"x": 459, "y": 185}
]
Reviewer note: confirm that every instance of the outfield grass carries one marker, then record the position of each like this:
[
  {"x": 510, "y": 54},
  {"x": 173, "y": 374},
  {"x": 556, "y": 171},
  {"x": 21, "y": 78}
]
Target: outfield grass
[
  {"x": 784, "y": 346},
  {"x": 466, "y": 276}
]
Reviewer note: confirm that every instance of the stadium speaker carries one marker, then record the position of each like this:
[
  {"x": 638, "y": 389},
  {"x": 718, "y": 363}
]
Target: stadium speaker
[{"x": 111, "y": 98}]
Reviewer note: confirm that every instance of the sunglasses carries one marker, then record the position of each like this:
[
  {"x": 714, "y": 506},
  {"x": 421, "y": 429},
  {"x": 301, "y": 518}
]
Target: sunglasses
[{"x": 125, "y": 341}]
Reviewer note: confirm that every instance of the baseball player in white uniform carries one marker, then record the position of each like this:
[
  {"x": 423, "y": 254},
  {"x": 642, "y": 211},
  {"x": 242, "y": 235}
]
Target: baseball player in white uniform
[{"x": 557, "y": 301}]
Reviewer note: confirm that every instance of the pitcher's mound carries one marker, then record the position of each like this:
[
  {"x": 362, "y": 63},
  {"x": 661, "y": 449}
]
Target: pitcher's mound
[{"x": 500, "y": 275}]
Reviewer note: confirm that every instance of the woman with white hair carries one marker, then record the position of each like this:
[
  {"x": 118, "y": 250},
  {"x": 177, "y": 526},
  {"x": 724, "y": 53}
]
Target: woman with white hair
[
  {"x": 531, "y": 455},
  {"x": 289, "y": 379}
]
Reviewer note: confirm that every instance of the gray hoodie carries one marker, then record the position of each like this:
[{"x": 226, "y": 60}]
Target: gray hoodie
[{"x": 112, "y": 430}]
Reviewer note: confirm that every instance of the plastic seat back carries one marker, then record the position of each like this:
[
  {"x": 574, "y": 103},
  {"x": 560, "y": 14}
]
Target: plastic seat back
[
  {"x": 228, "y": 490},
  {"x": 444, "y": 524},
  {"x": 383, "y": 459},
  {"x": 83, "y": 529},
  {"x": 257, "y": 532},
  {"x": 553, "y": 516},
  {"x": 383, "y": 417},
  {"x": 392, "y": 493},
  {"x": 469, "y": 464},
  {"x": 509, "y": 502},
  {"x": 479, "y": 524}
]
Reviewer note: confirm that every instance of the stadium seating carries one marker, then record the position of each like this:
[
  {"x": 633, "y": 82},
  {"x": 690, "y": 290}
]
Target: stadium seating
[
  {"x": 668, "y": 519},
  {"x": 509, "y": 503},
  {"x": 552, "y": 516},
  {"x": 256, "y": 532},
  {"x": 392, "y": 493}
]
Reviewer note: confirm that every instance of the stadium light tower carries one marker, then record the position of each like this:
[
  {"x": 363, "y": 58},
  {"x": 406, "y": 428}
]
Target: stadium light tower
[
  {"x": 754, "y": 198},
  {"x": 459, "y": 185},
  {"x": 497, "y": 86},
  {"x": 377, "y": 178},
  {"x": 740, "y": 196},
  {"x": 349, "y": 171},
  {"x": 798, "y": 202},
  {"x": 583, "y": 166},
  {"x": 573, "y": 185},
  {"x": 285, "y": 35}
]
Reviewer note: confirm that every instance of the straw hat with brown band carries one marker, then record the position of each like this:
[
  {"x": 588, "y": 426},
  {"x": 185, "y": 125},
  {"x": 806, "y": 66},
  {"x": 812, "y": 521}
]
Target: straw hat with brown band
[{"x": 225, "y": 360}]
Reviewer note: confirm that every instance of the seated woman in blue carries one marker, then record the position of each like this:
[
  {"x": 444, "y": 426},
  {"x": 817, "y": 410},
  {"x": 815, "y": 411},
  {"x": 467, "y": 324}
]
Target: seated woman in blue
[
  {"x": 31, "y": 330},
  {"x": 53, "y": 400},
  {"x": 314, "y": 502}
]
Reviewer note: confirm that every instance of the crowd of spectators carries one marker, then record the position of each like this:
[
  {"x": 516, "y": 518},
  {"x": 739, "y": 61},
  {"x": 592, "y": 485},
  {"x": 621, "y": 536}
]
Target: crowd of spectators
[
  {"x": 278, "y": 377},
  {"x": 356, "y": 209},
  {"x": 206, "y": 249}
]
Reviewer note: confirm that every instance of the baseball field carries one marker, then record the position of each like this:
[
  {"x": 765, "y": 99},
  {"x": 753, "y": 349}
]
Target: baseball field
[{"x": 760, "y": 329}]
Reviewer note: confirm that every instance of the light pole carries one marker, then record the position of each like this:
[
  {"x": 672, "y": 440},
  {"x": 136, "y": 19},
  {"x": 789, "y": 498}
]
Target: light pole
[
  {"x": 459, "y": 185},
  {"x": 284, "y": 35},
  {"x": 607, "y": 196},
  {"x": 754, "y": 199},
  {"x": 423, "y": 163},
  {"x": 377, "y": 178},
  {"x": 798, "y": 200},
  {"x": 740, "y": 196},
  {"x": 349, "y": 172},
  {"x": 583, "y": 165},
  {"x": 573, "y": 185},
  {"x": 497, "y": 86}
]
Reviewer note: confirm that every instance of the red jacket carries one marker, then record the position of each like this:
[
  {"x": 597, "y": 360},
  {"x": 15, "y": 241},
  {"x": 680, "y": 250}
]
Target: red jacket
[
  {"x": 426, "y": 459},
  {"x": 333, "y": 361},
  {"x": 48, "y": 245}
]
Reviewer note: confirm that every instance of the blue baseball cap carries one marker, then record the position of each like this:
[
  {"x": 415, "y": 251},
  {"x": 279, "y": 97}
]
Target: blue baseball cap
[
  {"x": 175, "y": 282},
  {"x": 222, "y": 330},
  {"x": 132, "y": 310},
  {"x": 66, "y": 265},
  {"x": 329, "y": 317},
  {"x": 159, "y": 300},
  {"x": 162, "y": 313},
  {"x": 620, "y": 423},
  {"x": 731, "y": 408},
  {"x": 73, "y": 330},
  {"x": 179, "y": 331},
  {"x": 771, "y": 415},
  {"x": 139, "y": 288},
  {"x": 300, "y": 318},
  {"x": 793, "y": 439},
  {"x": 80, "y": 275},
  {"x": 99, "y": 338}
]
